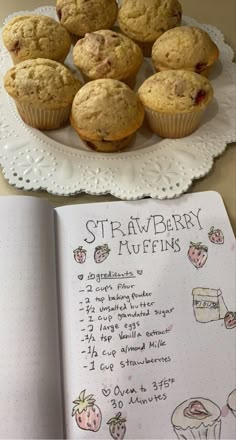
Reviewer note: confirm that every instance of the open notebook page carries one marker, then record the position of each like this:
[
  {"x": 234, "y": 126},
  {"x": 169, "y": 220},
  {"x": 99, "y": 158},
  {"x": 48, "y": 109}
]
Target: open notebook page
[
  {"x": 148, "y": 342},
  {"x": 30, "y": 388}
]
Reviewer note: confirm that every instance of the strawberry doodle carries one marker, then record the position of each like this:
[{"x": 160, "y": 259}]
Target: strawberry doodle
[
  {"x": 230, "y": 320},
  {"x": 197, "y": 254},
  {"x": 216, "y": 236},
  {"x": 117, "y": 427},
  {"x": 80, "y": 255},
  {"x": 101, "y": 253},
  {"x": 88, "y": 416}
]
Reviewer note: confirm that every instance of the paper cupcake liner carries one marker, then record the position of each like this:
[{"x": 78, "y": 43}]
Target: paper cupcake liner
[
  {"x": 43, "y": 119},
  {"x": 173, "y": 125},
  {"x": 211, "y": 432}
]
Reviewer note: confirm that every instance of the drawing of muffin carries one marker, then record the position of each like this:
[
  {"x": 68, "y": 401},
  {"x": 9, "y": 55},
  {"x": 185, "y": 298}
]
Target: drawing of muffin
[
  {"x": 197, "y": 418},
  {"x": 232, "y": 402}
]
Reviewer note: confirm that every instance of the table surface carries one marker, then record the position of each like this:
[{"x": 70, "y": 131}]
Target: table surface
[{"x": 222, "y": 177}]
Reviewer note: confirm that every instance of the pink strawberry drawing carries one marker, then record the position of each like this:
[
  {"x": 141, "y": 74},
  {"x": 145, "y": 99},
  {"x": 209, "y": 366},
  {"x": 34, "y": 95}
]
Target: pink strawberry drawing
[
  {"x": 88, "y": 416},
  {"x": 230, "y": 320},
  {"x": 197, "y": 254},
  {"x": 101, "y": 253},
  {"x": 80, "y": 254},
  {"x": 216, "y": 236},
  {"x": 197, "y": 410},
  {"x": 117, "y": 427}
]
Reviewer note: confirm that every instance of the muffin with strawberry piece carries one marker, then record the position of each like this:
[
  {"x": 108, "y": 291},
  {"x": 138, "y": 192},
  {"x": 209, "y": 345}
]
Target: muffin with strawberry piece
[
  {"x": 106, "y": 114},
  {"x": 186, "y": 48},
  {"x": 175, "y": 101},
  {"x": 43, "y": 91},
  {"x": 82, "y": 16},
  {"x": 36, "y": 36},
  {"x": 108, "y": 54},
  {"x": 144, "y": 21}
]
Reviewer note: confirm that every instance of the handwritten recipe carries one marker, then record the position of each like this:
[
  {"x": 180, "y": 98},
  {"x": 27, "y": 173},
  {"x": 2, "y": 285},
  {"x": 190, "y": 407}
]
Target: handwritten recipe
[{"x": 146, "y": 320}]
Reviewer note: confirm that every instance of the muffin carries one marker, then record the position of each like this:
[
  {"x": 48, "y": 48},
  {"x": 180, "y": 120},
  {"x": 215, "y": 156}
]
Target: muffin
[
  {"x": 36, "y": 36},
  {"x": 187, "y": 48},
  {"x": 144, "y": 21},
  {"x": 82, "y": 16},
  {"x": 175, "y": 101},
  {"x": 197, "y": 418},
  {"x": 43, "y": 91},
  {"x": 232, "y": 402},
  {"x": 106, "y": 113},
  {"x": 107, "y": 54}
]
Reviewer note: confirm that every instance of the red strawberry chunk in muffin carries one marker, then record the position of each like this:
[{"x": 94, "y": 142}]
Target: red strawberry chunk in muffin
[{"x": 200, "y": 96}]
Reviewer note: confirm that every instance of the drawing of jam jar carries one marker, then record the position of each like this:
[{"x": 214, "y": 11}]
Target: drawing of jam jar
[{"x": 208, "y": 304}]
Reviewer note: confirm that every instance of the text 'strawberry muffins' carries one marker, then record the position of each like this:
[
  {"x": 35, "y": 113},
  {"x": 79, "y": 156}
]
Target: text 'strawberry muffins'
[
  {"x": 108, "y": 54},
  {"x": 185, "y": 47},
  {"x": 106, "y": 113},
  {"x": 175, "y": 101},
  {"x": 144, "y": 21},
  {"x": 36, "y": 36},
  {"x": 43, "y": 91},
  {"x": 82, "y": 16},
  {"x": 197, "y": 418}
]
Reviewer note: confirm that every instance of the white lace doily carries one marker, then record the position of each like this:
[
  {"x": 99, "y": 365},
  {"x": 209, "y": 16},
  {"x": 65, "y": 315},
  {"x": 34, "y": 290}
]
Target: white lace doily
[{"x": 58, "y": 162}]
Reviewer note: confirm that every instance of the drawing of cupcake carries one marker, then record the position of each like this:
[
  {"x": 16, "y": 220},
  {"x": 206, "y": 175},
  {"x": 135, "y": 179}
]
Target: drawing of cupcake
[
  {"x": 232, "y": 402},
  {"x": 197, "y": 418}
]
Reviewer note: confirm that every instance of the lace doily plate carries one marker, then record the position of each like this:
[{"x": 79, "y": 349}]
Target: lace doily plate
[{"x": 58, "y": 162}]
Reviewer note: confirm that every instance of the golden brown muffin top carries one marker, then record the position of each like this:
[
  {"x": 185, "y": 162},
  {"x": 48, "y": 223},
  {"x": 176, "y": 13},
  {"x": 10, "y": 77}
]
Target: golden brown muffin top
[
  {"x": 106, "y": 109},
  {"x": 107, "y": 54},
  {"x": 41, "y": 82},
  {"x": 81, "y": 16},
  {"x": 146, "y": 20},
  {"x": 184, "y": 47},
  {"x": 36, "y": 36},
  {"x": 176, "y": 91}
]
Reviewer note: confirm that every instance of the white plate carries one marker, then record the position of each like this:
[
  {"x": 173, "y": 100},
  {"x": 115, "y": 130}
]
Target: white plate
[{"x": 60, "y": 163}]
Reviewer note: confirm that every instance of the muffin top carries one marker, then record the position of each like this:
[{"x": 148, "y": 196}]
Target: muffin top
[
  {"x": 145, "y": 21},
  {"x": 232, "y": 400},
  {"x": 106, "y": 109},
  {"x": 184, "y": 47},
  {"x": 107, "y": 54},
  {"x": 81, "y": 16},
  {"x": 176, "y": 91},
  {"x": 36, "y": 36},
  {"x": 194, "y": 412},
  {"x": 41, "y": 82}
]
